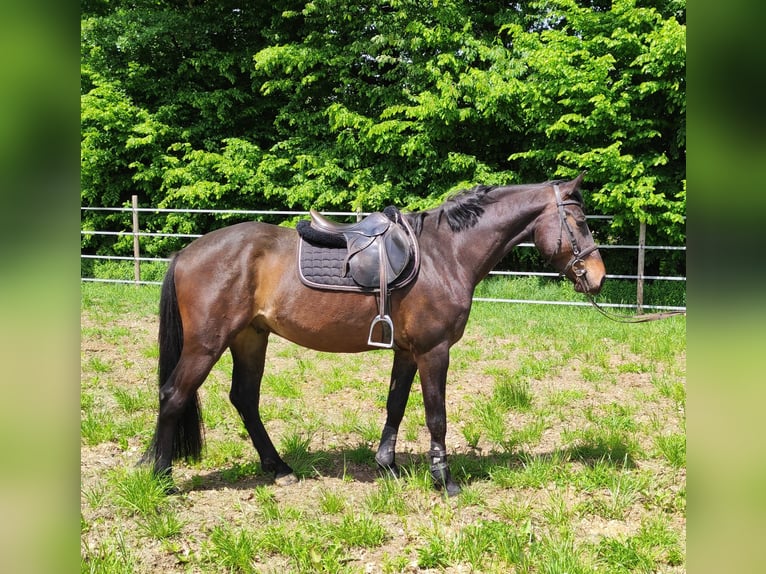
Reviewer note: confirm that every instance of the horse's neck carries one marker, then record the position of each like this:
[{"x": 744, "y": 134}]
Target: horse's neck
[{"x": 475, "y": 251}]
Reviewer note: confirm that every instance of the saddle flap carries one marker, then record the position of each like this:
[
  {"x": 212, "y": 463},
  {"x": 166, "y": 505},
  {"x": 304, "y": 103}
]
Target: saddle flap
[
  {"x": 364, "y": 264},
  {"x": 397, "y": 251}
]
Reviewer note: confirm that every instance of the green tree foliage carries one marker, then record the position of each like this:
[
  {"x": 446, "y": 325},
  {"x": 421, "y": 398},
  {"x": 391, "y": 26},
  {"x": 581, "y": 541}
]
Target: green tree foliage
[{"x": 358, "y": 104}]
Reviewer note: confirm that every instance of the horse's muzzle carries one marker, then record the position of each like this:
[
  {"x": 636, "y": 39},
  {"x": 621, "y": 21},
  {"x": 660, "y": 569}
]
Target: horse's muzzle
[
  {"x": 585, "y": 284},
  {"x": 589, "y": 272}
]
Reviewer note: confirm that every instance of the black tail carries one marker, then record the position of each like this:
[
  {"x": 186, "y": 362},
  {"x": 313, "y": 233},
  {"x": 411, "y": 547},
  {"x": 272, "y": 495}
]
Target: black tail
[{"x": 188, "y": 440}]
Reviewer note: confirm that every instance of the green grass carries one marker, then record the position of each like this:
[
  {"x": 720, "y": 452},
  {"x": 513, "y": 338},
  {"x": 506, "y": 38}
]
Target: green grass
[{"x": 559, "y": 422}]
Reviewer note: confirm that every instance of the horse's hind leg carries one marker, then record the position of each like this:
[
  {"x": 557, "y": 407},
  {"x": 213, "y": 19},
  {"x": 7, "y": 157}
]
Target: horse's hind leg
[
  {"x": 249, "y": 354},
  {"x": 179, "y": 422},
  {"x": 402, "y": 375}
]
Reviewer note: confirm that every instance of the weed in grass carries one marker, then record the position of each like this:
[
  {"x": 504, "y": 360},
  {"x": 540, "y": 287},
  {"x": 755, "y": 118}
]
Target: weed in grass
[
  {"x": 488, "y": 415},
  {"x": 138, "y": 490},
  {"x": 239, "y": 471},
  {"x": 490, "y": 541},
  {"x": 387, "y": 498},
  {"x": 529, "y": 434},
  {"x": 395, "y": 564},
  {"x": 95, "y": 496},
  {"x": 133, "y": 402},
  {"x": 654, "y": 545},
  {"x": 111, "y": 556},
  {"x": 361, "y": 531},
  {"x": 591, "y": 374},
  {"x": 558, "y": 555},
  {"x": 471, "y": 431},
  {"x": 433, "y": 553},
  {"x": 231, "y": 550},
  {"x": 98, "y": 365},
  {"x": 331, "y": 502},
  {"x": 670, "y": 388},
  {"x": 223, "y": 452},
  {"x": 673, "y": 448},
  {"x": 368, "y": 430},
  {"x": 513, "y": 395},
  {"x": 361, "y": 454},
  {"x": 283, "y": 384},
  {"x": 556, "y": 513},
  {"x": 97, "y": 427},
  {"x": 623, "y": 556},
  {"x": 267, "y": 502},
  {"x": 295, "y": 449},
  {"x": 308, "y": 548},
  {"x": 595, "y": 476},
  {"x": 657, "y": 536},
  {"x": 621, "y": 495},
  {"x": 417, "y": 478},
  {"x": 160, "y": 525},
  {"x": 565, "y": 398},
  {"x": 596, "y": 444},
  {"x": 516, "y": 511},
  {"x": 508, "y": 517},
  {"x": 537, "y": 471}
]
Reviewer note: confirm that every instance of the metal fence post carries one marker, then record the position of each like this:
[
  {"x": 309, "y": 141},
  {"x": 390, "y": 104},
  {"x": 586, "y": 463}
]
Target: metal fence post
[
  {"x": 640, "y": 270},
  {"x": 136, "y": 246}
]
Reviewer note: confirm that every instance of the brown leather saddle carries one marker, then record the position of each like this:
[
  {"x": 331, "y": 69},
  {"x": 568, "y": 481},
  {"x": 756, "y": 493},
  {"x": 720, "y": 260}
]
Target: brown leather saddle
[{"x": 379, "y": 254}]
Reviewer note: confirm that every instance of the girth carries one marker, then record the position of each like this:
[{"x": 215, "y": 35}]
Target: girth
[{"x": 379, "y": 254}]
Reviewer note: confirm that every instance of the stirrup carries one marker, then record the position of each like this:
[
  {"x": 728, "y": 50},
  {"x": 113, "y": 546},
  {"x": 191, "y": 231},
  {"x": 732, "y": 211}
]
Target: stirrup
[{"x": 386, "y": 321}]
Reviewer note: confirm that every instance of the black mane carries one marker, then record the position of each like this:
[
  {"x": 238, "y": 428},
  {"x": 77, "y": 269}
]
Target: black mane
[{"x": 463, "y": 209}]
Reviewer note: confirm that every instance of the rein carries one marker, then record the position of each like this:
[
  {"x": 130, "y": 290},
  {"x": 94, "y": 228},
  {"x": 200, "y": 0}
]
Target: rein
[
  {"x": 642, "y": 318},
  {"x": 578, "y": 265}
]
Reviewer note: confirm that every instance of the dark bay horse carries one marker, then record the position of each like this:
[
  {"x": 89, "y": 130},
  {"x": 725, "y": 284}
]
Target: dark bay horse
[{"x": 235, "y": 286}]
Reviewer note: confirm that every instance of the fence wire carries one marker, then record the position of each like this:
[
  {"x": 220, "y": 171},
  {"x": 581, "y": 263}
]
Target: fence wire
[{"x": 136, "y": 258}]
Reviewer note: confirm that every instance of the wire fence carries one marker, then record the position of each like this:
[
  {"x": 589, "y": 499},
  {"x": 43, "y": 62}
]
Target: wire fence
[{"x": 137, "y": 258}]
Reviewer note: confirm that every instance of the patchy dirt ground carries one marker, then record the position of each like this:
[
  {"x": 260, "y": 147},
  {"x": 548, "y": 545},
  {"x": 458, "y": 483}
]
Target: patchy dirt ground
[{"x": 119, "y": 355}]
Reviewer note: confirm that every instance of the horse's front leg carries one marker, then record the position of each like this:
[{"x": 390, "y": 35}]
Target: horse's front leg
[
  {"x": 433, "y": 380},
  {"x": 402, "y": 375}
]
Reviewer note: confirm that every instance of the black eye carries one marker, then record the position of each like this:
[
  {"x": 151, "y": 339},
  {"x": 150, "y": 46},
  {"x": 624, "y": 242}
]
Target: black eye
[{"x": 579, "y": 219}]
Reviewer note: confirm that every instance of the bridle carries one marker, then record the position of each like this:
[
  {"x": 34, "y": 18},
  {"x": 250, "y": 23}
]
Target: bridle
[{"x": 577, "y": 264}]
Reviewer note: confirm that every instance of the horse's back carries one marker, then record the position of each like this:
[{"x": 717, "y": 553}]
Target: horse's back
[{"x": 217, "y": 274}]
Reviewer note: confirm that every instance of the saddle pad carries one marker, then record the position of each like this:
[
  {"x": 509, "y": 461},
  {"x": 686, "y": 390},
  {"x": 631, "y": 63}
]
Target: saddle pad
[{"x": 322, "y": 268}]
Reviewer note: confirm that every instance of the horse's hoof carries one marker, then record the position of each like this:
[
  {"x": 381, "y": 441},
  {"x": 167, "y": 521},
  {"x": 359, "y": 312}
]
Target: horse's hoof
[
  {"x": 453, "y": 490},
  {"x": 450, "y": 489},
  {"x": 285, "y": 479}
]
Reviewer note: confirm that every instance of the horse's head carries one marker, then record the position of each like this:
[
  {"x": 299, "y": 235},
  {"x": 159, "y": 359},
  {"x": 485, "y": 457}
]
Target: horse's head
[{"x": 563, "y": 237}]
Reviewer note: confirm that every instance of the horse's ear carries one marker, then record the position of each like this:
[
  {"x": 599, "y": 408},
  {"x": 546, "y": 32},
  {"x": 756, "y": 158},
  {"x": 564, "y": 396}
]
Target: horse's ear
[
  {"x": 573, "y": 186},
  {"x": 578, "y": 180}
]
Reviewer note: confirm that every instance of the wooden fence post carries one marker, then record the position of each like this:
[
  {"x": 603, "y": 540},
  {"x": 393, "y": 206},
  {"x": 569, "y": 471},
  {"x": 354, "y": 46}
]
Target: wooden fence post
[
  {"x": 136, "y": 246},
  {"x": 640, "y": 271}
]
